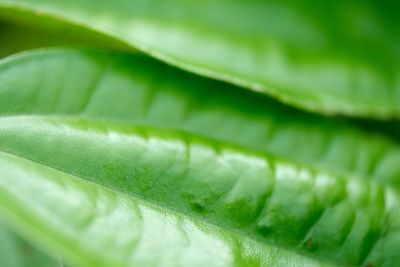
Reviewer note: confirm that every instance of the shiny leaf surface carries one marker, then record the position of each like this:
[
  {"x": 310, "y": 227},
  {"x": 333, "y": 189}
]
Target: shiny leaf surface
[
  {"x": 85, "y": 115},
  {"x": 93, "y": 219},
  {"x": 135, "y": 89},
  {"x": 337, "y": 57}
]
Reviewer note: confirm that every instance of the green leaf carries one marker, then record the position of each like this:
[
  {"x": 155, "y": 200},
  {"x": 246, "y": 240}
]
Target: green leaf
[
  {"x": 84, "y": 220},
  {"x": 16, "y": 252},
  {"x": 19, "y": 36},
  {"x": 136, "y": 89},
  {"x": 337, "y": 57},
  {"x": 153, "y": 134}
]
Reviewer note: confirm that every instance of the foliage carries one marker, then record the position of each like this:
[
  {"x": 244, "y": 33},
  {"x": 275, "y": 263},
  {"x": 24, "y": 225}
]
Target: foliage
[{"x": 110, "y": 157}]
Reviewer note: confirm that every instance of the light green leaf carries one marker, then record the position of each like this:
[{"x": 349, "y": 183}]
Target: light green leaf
[
  {"x": 216, "y": 201},
  {"x": 84, "y": 220},
  {"x": 16, "y": 252},
  {"x": 337, "y": 57}
]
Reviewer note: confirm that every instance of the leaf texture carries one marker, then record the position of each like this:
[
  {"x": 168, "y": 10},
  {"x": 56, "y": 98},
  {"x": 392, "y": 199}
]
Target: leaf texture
[
  {"x": 193, "y": 191},
  {"x": 83, "y": 220},
  {"x": 341, "y": 57},
  {"x": 135, "y": 89}
]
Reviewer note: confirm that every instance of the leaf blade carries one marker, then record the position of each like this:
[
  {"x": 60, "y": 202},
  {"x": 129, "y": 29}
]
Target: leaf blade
[
  {"x": 120, "y": 87},
  {"x": 218, "y": 249},
  {"x": 294, "y": 59},
  {"x": 52, "y": 121}
]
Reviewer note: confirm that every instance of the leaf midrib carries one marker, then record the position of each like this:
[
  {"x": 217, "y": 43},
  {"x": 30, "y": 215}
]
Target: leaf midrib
[
  {"x": 159, "y": 204},
  {"x": 176, "y": 211}
]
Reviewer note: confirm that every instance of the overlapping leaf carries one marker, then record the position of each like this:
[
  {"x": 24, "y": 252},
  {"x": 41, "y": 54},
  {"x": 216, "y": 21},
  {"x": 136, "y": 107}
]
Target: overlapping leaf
[
  {"x": 336, "y": 57},
  {"x": 139, "y": 90},
  {"x": 16, "y": 37},
  {"x": 156, "y": 135}
]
